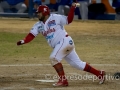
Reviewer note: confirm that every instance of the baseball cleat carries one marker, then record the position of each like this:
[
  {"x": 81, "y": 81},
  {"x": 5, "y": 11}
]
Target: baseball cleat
[
  {"x": 102, "y": 77},
  {"x": 61, "y": 83}
]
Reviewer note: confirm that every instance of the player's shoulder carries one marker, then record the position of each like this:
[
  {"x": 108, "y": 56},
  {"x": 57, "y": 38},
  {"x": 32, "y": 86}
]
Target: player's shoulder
[
  {"x": 38, "y": 23},
  {"x": 56, "y": 15},
  {"x": 37, "y": 26}
]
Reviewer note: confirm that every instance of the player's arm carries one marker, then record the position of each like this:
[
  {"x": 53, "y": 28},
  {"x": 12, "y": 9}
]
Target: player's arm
[
  {"x": 27, "y": 39},
  {"x": 71, "y": 13}
]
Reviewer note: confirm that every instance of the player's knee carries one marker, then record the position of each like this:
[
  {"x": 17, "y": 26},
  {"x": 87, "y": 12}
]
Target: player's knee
[{"x": 53, "y": 60}]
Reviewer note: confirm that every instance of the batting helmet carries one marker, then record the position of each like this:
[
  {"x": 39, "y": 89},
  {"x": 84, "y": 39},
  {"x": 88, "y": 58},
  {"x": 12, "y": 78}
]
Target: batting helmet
[{"x": 44, "y": 9}]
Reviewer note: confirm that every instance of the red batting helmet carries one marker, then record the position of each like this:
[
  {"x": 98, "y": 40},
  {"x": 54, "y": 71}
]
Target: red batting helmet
[{"x": 44, "y": 9}]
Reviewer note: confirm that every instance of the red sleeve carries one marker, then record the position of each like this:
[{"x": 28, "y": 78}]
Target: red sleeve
[
  {"x": 71, "y": 14},
  {"x": 29, "y": 38}
]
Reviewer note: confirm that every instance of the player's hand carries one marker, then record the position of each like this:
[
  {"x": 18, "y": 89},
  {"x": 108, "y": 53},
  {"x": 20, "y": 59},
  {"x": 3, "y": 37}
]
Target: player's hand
[
  {"x": 20, "y": 42},
  {"x": 75, "y": 4}
]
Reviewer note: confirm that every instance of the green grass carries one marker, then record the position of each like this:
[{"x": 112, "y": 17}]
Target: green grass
[
  {"x": 93, "y": 49},
  {"x": 95, "y": 41},
  {"x": 38, "y": 48}
]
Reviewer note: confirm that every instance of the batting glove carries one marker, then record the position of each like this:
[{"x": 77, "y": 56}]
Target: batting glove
[{"x": 20, "y": 42}]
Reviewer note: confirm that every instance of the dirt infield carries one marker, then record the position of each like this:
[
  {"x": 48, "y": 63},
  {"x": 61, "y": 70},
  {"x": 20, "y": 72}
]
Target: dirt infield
[
  {"x": 97, "y": 42},
  {"x": 25, "y": 78}
]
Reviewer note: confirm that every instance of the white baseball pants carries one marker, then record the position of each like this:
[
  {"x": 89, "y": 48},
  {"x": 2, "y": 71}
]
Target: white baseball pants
[{"x": 65, "y": 49}]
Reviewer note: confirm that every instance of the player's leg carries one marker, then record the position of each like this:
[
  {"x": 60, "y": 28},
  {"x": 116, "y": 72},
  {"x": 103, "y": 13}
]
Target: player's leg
[
  {"x": 83, "y": 10},
  {"x": 61, "y": 9},
  {"x": 21, "y": 7},
  {"x": 60, "y": 51},
  {"x": 66, "y": 10},
  {"x": 74, "y": 60},
  {"x": 4, "y": 5}
]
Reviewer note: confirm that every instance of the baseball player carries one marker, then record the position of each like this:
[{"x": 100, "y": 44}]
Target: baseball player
[{"x": 51, "y": 26}]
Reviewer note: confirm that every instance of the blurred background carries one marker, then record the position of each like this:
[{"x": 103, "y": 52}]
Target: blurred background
[{"x": 88, "y": 10}]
